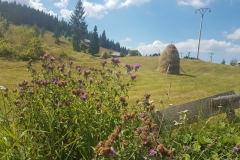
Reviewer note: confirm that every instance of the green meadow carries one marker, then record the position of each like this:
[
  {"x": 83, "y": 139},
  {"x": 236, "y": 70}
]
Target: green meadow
[{"x": 85, "y": 109}]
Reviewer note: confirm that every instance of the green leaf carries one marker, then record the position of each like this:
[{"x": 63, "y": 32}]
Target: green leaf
[{"x": 196, "y": 147}]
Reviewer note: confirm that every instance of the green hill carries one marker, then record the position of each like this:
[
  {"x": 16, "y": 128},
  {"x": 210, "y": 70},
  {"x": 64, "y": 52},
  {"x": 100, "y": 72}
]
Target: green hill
[{"x": 202, "y": 79}]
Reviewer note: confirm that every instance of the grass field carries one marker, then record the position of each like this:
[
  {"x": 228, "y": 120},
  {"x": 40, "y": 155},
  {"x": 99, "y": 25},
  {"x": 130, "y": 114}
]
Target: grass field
[
  {"x": 82, "y": 115},
  {"x": 202, "y": 79}
]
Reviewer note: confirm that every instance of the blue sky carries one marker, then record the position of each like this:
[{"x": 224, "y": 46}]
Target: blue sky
[{"x": 150, "y": 25}]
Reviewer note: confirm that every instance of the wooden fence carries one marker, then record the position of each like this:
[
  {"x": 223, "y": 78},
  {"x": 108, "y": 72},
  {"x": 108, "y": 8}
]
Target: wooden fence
[{"x": 200, "y": 109}]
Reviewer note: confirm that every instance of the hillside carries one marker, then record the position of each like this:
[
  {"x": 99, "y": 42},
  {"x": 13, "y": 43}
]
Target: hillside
[{"x": 202, "y": 79}]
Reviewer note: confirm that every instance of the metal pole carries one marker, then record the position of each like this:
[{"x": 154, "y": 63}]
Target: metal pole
[{"x": 202, "y": 11}]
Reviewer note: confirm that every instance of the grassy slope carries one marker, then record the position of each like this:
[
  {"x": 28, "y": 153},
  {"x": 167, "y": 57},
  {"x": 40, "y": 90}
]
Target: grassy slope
[{"x": 202, "y": 79}]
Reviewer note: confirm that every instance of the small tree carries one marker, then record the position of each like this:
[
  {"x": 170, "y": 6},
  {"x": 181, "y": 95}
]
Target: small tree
[
  {"x": 79, "y": 26},
  {"x": 94, "y": 45},
  {"x": 223, "y": 61},
  {"x": 233, "y": 62}
]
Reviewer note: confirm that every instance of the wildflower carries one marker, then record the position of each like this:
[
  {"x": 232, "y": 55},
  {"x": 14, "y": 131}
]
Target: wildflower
[
  {"x": 143, "y": 115},
  {"x": 17, "y": 101},
  {"x": 207, "y": 149},
  {"x": 45, "y": 56},
  {"x": 236, "y": 149},
  {"x": 139, "y": 131},
  {"x": 125, "y": 142},
  {"x": 15, "y": 90},
  {"x": 52, "y": 58},
  {"x": 90, "y": 80},
  {"x": 188, "y": 148},
  {"x": 152, "y": 153},
  {"x": 67, "y": 103},
  {"x": 134, "y": 76},
  {"x": 138, "y": 65},
  {"x": 84, "y": 96},
  {"x": 50, "y": 67},
  {"x": 112, "y": 152},
  {"x": 147, "y": 96},
  {"x": 115, "y": 61},
  {"x": 104, "y": 61},
  {"x": 70, "y": 62}
]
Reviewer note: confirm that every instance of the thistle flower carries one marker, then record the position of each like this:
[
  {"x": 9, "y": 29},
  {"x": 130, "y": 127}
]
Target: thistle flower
[
  {"x": 236, "y": 149},
  {"x": 134, "y": 76},
  {"x": 52, "y": 58},
  {"x": 104, "y": 62},
  {"x": 152, "y": 153},
  {"x": 112, "y": 153},
  {"x": 115, "y": 61},
  {"x": 84, "y": 96},
  {"x": 90, "y": 80},
  {"x": 17, "y": 101}
]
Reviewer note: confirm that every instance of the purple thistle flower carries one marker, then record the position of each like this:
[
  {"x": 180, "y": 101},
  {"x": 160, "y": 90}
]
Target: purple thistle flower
[
  {"x": 112, "y": 153},
  {"x": 236, "y": 149},
  {"x": 115, "y": 61},
  {"x": 90, "y": 80},
  {"x": 152, "y": 152},
  {"x": 17, "y": 101},
  {"x": 84, "y": 96},
  {"x": 45, "y": 56},
  {"x": 155, "y": 132},
  {"x": 134, "y": 76},
  {"x": 49, "y": 66},
  {"x": 143, "y": 115},
  {"x": 52, "y": 58},
  {"x": 138, "y": 65},
  {"x": 104, "y": 61}
]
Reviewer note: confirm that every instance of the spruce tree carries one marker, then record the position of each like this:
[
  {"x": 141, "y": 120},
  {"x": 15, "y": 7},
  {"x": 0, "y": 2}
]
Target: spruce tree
[
  {"x": 79, "y": 25},
  {"x": 103, "y": 40},
  {"x": 94, "y": 42}
]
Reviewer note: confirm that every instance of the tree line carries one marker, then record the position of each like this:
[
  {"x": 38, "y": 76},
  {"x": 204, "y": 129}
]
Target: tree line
[{"x": 76, "y": 29}]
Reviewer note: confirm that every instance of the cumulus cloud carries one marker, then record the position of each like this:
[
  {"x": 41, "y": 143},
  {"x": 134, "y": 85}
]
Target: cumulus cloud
[
  {"x": 36, "y": 4},
  {"x": 195, "y": 3},
  {"x": 99, "y": 10},
  {"x": 235, "y": 35},
  {"x": 126, "y": 40},
  {"x": 65, "y": 13},
  {"x": 61, "y": 4},
  {"x": 191, "y": 45}
]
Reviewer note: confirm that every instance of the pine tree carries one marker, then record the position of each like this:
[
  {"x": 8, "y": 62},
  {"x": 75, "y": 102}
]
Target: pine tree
[
  {"x": 79, "y": 25},
  {"x": 103, "y": 40},
  {"x": 94, "y": 45}
]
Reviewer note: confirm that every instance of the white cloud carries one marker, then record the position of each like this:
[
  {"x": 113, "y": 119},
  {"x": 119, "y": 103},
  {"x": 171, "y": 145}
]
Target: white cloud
[
  {"x": 99, "y": 10},
  {"x": 61, "y": 4},
  {"x": 195, "y": 3},
  {"x": 235, "y": 35},
  {"x": 65, "y": 13},
  {"x": 126, "y": 40},
  {"x": 191, "y": 45}
]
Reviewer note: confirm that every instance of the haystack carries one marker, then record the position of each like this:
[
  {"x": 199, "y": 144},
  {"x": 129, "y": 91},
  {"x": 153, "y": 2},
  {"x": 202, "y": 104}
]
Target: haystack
[{"x": 169, "y": 61}]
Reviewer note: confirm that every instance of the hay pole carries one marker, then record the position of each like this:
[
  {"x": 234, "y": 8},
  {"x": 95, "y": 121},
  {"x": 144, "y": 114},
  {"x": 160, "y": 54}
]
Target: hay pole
[{"x": 168, "y": 68}]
